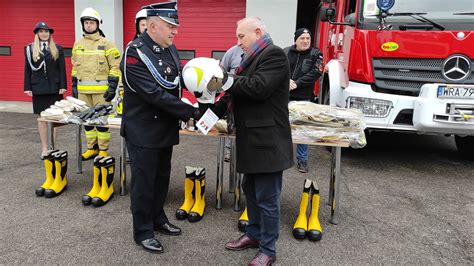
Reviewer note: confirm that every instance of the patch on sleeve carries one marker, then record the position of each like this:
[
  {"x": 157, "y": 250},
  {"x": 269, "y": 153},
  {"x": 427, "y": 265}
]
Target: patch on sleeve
[{"x": 131, "y": 60}]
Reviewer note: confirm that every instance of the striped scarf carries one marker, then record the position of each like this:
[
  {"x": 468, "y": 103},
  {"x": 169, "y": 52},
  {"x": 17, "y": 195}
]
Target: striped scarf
[{"x": 255, "y": 49}]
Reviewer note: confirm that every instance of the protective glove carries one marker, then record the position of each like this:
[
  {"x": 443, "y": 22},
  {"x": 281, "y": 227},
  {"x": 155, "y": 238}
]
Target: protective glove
[
  {"x": 220, "y": 79},
  {"x": 75, "y": 93},
  {"x": 110, "y": 93}
]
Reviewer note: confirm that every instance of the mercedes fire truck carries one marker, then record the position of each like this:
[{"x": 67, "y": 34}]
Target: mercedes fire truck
[{"x": 406, "y": 64}]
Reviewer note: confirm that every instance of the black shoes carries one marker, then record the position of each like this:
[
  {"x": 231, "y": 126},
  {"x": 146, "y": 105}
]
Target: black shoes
[
  {"x": 168, "y": 229},
  {"x": 302, "y": 166},
  {"x": 152, "y": 245}
]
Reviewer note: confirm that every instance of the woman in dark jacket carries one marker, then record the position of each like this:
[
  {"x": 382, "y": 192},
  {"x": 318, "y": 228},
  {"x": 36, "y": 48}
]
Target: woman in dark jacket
[{"x": 45, "y": 74}]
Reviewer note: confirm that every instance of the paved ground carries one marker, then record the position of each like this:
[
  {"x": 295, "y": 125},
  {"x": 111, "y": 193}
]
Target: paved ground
[{"x": 406, "y": 199}]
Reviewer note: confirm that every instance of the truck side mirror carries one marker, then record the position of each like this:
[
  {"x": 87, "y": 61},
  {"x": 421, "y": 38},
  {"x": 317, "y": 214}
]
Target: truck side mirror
[
  {"x": 327, "y": 13},
  {"x": 350, "y": 19}
]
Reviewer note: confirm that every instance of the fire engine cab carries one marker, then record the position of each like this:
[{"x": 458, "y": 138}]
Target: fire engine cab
[{"x": 407, "y": 65}]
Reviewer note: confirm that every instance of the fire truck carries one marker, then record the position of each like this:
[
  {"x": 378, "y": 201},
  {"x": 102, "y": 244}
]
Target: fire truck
[{"x": 407, "y": 65}]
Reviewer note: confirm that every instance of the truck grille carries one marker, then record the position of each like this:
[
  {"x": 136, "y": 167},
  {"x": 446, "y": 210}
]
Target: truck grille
[{"x": 405, "y": 76}]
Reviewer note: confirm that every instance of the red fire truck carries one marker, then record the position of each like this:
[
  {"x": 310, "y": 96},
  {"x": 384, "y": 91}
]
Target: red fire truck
[{"x": 407, "y": 65}]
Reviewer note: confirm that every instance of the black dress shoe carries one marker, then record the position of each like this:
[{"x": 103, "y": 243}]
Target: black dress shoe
[
  {"x": 152, "y": 245},
  {"x": 168, "y": 229}
]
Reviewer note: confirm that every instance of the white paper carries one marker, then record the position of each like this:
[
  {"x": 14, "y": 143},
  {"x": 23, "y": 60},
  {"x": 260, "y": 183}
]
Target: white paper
[{"x": 207, "y": 121}]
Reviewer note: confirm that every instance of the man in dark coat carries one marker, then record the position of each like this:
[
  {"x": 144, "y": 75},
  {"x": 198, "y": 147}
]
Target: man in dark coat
[
  {"x": 150, "y": 121},
  {"x": 305, "y": 69},
  {"x": 258, "y": 99}
]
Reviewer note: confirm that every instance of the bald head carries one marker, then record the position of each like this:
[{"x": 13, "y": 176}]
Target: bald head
[{"x": 249, "y": 30}]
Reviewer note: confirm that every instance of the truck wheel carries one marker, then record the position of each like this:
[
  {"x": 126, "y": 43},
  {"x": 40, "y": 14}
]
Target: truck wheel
[
  {"x": 465, "y": 146},
  {"x": 324, "y": 91}
]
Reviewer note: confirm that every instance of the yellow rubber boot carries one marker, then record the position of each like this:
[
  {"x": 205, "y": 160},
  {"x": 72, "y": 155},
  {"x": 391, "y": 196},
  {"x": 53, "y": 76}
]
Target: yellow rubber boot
[
  {"x": 103, "y": 153},
  {"x": 48, "y": 161},
  {"x": 315, "y": 232},
  {"x": 189, "y": 193},
  {"x": 107, "y": 170},
  {"x": 89, "y": 154},
  {"x": 60, "y": 177},
  {"x": 301, "y": 225},
  {"x": 243, "y": 220},
  {"x": 197, "y": 212},
  {"x": 96, "y": 182}
]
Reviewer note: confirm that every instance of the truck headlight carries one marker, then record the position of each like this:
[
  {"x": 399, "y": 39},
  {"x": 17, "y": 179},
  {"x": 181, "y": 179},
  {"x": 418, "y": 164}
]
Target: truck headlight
[{"x": 370, "y": 107}]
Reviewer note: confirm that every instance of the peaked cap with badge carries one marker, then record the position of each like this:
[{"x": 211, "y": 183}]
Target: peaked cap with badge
[{"x": 167, "y": 11}]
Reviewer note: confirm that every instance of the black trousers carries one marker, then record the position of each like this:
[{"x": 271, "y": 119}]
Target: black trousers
[
  {"x": 149, "y": 188},
  {"x": 262, "y": 192}
]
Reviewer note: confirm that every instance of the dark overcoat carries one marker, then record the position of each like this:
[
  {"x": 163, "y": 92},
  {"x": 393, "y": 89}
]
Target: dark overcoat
[{"x": 259, "y": 101}]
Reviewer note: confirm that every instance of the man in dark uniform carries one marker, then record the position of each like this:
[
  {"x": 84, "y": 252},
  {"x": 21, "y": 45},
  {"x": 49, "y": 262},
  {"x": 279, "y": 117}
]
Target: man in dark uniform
[{"x": 150, "y": 122}]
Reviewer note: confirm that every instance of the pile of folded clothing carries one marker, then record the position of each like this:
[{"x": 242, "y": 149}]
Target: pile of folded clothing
[
  {"x": 312, "y": 122},
  {"x": 62, "y": 111}
]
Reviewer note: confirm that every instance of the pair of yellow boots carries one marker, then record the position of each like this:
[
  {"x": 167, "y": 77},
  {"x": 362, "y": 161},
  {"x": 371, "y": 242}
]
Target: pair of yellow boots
[
  {"x": 194, "y": 192},
  {"x": 55, "y": 165},
  {"x": 91, "y": 154},
  {"x": 102, "y": 182},
  {"x": 311, "y": 227}
]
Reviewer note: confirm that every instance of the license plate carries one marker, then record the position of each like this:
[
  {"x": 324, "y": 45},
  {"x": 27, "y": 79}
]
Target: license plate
[{"x": 459, "y": 92}]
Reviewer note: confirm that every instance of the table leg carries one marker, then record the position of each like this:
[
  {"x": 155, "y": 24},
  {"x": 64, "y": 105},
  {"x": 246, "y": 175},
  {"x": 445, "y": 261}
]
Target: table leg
[
  {"x": 331, "y": 177},
  {"x": 336, "y": 176},
  {"x": 232, "y": 167},
  {"x": 50, "y": 136},
  {"x": 123, "y": 167},
  {"x": 237, "y": 192},
  {"x": 79, "y": 149},
  {"x": 220, "y": 172}
]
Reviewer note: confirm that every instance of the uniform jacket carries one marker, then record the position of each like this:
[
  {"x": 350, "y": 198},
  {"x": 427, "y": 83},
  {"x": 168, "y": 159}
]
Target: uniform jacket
[
  {"x": 259, "y": 101},
  {"x": 94, "y": 59},
  {"x": 151, "y": 113},
  {"x": 48, "y": 81},
  {"x": 304, "y": 70}
]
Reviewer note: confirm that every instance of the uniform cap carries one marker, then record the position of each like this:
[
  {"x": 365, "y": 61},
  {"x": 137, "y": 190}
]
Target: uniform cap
[
  {"x": 167, "y": 11},
  {"x": 42, "y": 25}
]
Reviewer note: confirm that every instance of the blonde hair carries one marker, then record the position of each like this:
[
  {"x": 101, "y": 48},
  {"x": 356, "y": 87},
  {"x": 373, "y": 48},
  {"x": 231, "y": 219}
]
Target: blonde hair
[{"x": 37, "y": 50}]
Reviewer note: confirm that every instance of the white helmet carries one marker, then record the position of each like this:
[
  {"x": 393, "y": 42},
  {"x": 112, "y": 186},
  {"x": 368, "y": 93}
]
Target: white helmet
[
  {"x": 90, "y": 14},
  {"x": 196, "y": 75},
  {"x": 140, "y": 14}
]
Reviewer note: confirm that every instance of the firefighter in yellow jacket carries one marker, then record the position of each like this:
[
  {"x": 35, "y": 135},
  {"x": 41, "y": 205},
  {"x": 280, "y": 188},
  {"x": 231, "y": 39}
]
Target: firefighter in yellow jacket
[{"x": 95, "y": 76}]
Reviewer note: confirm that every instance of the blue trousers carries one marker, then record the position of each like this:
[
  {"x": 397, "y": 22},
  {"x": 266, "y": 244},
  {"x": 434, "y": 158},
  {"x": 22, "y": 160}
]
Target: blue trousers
[
  {"x": 302, "y": 152},
  {"x": 262, "y": 192}
]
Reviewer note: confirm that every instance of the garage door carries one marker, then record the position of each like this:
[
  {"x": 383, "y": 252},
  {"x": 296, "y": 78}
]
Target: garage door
[{"x": 18, "y": 19}]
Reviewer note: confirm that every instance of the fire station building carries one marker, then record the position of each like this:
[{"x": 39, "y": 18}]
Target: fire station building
[{"x": 207, "y": 28}]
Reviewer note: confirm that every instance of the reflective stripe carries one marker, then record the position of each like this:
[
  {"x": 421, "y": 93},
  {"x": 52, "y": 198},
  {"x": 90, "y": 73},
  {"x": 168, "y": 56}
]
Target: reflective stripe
[
  {"x": 74, "y": 73},
  {"x": 103, "y": 135},
  {"x": 113, "y": 51},
  {"x": 114, "y": 73},
  {"x": 90, "y": 52},
  {"x": 92, "y": 82},
  {"x": 98, "y": 88},
  {"x": 91, "y": 134}
]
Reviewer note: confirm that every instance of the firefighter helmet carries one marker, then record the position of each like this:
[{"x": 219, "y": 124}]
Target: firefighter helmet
[
  {"x": 42, "y": 25},
  {"x": 140, "y": 14},
  {"x": 196, "y": 75},
  {"x": 91, "y": 14}
]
